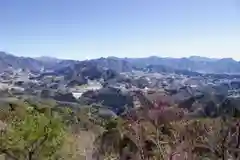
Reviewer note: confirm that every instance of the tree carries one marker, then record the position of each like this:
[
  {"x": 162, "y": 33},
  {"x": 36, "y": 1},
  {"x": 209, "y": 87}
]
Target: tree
[{"x": 35, "y": 136}]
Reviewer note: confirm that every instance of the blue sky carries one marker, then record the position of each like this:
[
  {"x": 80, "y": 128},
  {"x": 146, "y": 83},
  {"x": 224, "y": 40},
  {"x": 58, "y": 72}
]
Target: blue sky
[{"x": 82, "y": 29}]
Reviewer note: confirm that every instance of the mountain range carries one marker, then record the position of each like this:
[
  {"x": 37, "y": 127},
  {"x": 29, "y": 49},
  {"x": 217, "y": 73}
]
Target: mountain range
[{"x": 191, "y": 64}]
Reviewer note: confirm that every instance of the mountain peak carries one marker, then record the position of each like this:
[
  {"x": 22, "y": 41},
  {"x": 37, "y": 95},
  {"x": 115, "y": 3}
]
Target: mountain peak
[
  {"x": 199, "y": 58},
  {"x": 47, "y": 59},
  {"x": 228, "y": 59},
  {"x": 4, "y": 54}
]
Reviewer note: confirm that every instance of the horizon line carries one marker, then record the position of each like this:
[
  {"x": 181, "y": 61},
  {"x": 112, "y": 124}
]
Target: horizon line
[{"x": 157, "y": 56}]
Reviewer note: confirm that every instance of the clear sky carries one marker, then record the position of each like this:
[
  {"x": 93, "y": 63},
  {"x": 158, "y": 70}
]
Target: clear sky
[{"x": 82, "y": 29}]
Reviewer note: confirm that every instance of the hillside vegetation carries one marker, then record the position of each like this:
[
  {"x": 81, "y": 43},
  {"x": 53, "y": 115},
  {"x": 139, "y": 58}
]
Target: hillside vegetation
[{"x": 38, "y": 131}]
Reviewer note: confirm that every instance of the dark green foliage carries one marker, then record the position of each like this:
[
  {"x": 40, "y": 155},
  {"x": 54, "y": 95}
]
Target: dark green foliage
[
  {"x": 45, "y": 93},
  {"x": 31, "y": 133},
  {"x": 65, "y": 97},
  {"x": 112, "y": 98}
]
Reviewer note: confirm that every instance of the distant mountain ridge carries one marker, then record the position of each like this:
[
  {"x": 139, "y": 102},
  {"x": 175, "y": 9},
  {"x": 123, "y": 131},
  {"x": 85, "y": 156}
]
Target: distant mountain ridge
[
  {"x": 199, "y": 58},
  {"x": 195, "y": 64},
  {"x": 47, "y": 59},
  {"x": 190, "y": 64},
  {"x": 11, "y": 61}
]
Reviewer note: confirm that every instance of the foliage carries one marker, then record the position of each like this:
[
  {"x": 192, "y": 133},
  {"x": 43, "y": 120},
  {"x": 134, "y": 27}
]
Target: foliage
[
  {"x": 155, "y": 131},
  {"x": 34, "y": 136}
]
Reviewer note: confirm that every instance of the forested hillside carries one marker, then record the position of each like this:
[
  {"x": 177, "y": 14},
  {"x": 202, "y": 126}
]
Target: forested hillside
[{"x": 46, "y": 130}]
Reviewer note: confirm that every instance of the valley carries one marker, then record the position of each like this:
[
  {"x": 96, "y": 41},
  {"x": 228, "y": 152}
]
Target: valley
[{"x": 136, "y": 98}]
